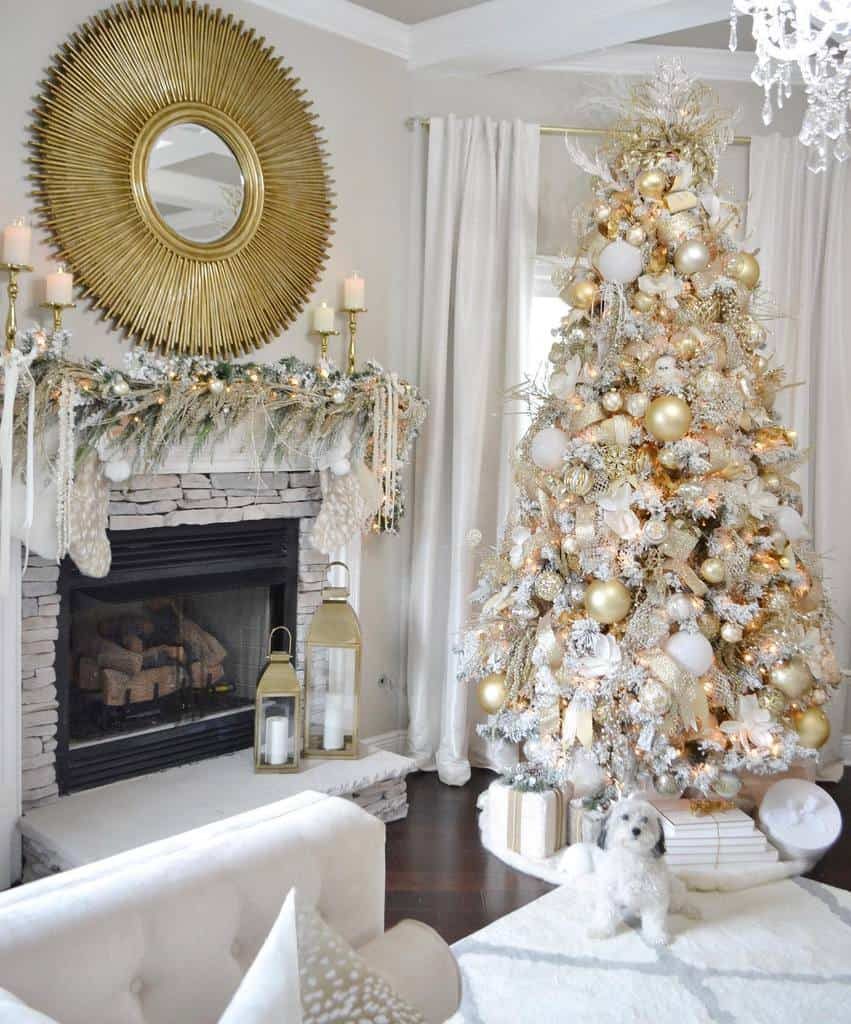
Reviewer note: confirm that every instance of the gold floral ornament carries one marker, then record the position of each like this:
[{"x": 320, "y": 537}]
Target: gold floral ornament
[{"x": 116, "y": 95}]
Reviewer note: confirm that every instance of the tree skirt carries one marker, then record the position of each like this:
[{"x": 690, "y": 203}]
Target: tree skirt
[{"x": 774, "y": 953}]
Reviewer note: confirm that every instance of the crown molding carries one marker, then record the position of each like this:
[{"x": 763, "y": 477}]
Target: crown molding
[
  {"x": 641, "y": 58},
  {"x": 342, "y": 18}
]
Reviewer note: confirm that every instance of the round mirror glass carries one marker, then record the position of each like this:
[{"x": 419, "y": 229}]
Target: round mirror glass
[{"x": 195, "y": 182}]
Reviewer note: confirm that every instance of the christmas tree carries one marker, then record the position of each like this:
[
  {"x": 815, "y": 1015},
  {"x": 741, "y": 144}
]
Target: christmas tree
[{"x": 653, "y": 613}]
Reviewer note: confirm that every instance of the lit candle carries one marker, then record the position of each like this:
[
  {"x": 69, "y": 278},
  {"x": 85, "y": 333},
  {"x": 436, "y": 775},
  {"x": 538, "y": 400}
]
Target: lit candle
[
  {"x": 353, "y": 292},
  {"x": 323, "y": 318},
  {"x": 333, "y": 732},
  {"x": 17, "y": 239},
  {"x": 59, "y": 286},
  {"x": 277, "y": 739}
]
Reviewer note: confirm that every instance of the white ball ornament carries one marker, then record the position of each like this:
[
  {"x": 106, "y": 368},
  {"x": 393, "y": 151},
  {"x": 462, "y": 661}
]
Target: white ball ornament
[
  {"x": 691, "y": 651},
  {"x": 679, "y": 607},
  {"x": 562, "y": 385},
  {"x": 117, "y": 470},
  {"x": 731, "y": 632},
  {"x": 790, "y": 523},
  {"x": 620, "y": 262},
  {"x": 549, "y": 447}
]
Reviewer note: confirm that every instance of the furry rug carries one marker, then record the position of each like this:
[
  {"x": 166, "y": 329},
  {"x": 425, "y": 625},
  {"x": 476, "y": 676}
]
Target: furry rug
[{"x": 769, "y": 955}]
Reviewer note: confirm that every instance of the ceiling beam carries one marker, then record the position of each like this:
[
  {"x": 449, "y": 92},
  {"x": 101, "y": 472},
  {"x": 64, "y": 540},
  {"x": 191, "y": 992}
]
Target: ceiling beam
[{"x": 502, "y": 35}]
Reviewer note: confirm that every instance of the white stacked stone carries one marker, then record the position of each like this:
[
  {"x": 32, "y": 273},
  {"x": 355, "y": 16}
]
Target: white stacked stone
[{"x": 150, "y": 501}]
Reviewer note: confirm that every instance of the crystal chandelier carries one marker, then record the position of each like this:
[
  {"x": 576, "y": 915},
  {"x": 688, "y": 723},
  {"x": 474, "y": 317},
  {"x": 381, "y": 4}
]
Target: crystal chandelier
[{"x": 815, "y": 36}]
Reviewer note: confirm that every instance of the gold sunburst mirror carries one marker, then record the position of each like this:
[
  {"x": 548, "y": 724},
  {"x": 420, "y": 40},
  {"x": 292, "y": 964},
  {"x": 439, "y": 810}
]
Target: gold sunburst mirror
[{"x": 180, "y": 173}]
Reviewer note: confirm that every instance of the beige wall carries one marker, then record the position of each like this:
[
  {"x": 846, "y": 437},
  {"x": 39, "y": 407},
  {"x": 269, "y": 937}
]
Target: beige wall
[{"x": 360, "y": 95}]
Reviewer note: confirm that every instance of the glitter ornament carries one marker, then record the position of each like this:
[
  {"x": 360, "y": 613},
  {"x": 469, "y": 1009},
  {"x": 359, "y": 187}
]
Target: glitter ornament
[
  {"x": 643, "y": 303},
  {"x": 791, "y": 677},
  {"x": 772, "y": 700},
  {"x": 674, "y": 229},
  {"x": 708, "y": 381},
  {"x": 654, "y": 697},
  {"x": 548, "y": 585},
  {"x": 708, "y": 623}
]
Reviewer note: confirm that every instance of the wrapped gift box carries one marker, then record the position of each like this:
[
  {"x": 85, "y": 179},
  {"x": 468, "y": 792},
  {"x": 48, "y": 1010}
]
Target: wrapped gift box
[
  {"x": 531, "y": 823},
  {"x": 754, "y": 787},
  {"x": 584, "y": 821},
  {"x": 800, "y": 819},
  {"x": 700, "y": 835}
]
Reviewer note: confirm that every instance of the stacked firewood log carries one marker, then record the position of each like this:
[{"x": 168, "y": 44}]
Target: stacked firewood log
[{"x": 140, "y": 656}]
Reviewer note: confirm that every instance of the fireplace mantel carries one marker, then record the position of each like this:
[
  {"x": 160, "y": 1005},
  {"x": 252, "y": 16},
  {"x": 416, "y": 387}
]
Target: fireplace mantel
[{"x": 229, "y": 457}]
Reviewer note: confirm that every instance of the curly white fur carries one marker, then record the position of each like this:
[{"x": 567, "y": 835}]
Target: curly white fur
[{"x": 629, "y": 876}]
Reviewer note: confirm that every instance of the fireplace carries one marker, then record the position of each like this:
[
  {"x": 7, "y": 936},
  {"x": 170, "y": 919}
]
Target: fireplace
[{"x": 156, "y": 664}]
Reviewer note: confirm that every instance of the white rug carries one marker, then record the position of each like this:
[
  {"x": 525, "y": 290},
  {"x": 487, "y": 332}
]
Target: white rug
[{"x": 769, "y": 955}]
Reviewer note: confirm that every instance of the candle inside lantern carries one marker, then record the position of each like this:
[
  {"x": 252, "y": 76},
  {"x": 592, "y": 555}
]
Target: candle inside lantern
[
  {"x": 353, "y": 292},
  {"x": 323, "y": 318},
  {"x": 59, "y": 286},
  {"x": 333, "y": 734},
  {"x": 17, "y": 239},
  {"x": 277, "y": 739}
]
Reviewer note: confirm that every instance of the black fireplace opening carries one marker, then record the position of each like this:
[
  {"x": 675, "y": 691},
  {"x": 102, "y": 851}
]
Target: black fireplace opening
[{"x": 157, "y": 663}]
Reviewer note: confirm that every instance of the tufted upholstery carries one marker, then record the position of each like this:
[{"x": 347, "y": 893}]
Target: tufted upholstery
[{"x": 164, "y": 933}]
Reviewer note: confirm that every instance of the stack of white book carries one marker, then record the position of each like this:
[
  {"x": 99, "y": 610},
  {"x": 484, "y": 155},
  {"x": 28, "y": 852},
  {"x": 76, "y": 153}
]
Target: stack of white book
[{"x": 719, "y": 839}]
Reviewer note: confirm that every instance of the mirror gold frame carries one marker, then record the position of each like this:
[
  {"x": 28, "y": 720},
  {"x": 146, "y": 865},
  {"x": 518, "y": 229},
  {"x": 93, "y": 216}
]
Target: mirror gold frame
[{"x": 130, "y": 73}]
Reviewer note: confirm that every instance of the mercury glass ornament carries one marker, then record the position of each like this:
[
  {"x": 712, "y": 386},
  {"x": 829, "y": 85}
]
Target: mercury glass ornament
[
  {"x": 652, "y": 183},
  {"x": 492, "y": 692},
  {"x": 712, "y": 570},
  {"x": 708, "y": 623},
  {"x": 655, "y": 531},
  {"x": 607, "y": 601},
  {"x": 691, "y": 256},
  {"x": 772, "y": 700},
  {"x": 548, "y": 585},
  {"x": 668, "y": 418},
  {"x": 673, "y": 230},
  {"x": 654, "y": 697},
  {"x": 708, "y": 381},
  {"x": 792, "y": 677}
]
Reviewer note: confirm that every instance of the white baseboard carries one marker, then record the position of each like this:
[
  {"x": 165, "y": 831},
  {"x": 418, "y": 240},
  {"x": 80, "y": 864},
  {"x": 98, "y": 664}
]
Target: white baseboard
[
  {"x": 846, "y": 748},
  {"x": 396, "y": 741}
]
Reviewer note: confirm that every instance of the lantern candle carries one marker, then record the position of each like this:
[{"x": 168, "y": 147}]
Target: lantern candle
[
  {"x": 59, "y": 287},
  {"x": 17, "y": 239},
  {"x": 277, "y": 739},
  {"x": 333, "y": 734},
  {"x": 323, "y": 319},
  {"x": 353, "y": 292}
]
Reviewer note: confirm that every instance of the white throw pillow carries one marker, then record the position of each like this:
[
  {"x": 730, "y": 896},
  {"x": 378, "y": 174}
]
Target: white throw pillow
[
  {"x": 268, "y": 994},
  {"x": 13, "y": 1011}
]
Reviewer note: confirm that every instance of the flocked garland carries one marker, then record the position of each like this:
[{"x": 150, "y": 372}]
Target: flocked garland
[{"x": 289, "y": 409}]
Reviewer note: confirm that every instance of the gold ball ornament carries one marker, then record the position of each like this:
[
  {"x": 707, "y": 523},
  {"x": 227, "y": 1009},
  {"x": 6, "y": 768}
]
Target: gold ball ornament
[
  {"x": 772, "y": 700},
  {"x": 578, "y": 480},
  {"x": 791, "y": 677},
  {"x": 691, "y": 256},
  {"x": 582, "y": 294},
  {"x": 643, "y": 303},
  {"x": 607, "y": 601},
  {"x": 602, "y": 212},
  {"x": 744, "y": 268},
  {"x": 712, "y": 570},
  {"x": 636, "y": 235},
  {"x": 669, "y": 459},
  {"x": 491, "y": 692},
  {"x": 548, "y": 585},
  {"x": 708, "y": 623},
  {"x": 668, "y": 418},
  {"x": 684, "y": 346},
  {"x": 812, "y": 727},
  {"x": 652, "y": 183},
  {"x": 673, "y": 230}
]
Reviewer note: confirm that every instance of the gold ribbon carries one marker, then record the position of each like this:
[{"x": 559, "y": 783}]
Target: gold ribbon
[
  {"x": 590, "y": 413},
  {"x": 585, "y": 529},
  {"x": 677, "y": 546},
  {"x": 685, "y": 689},
  {"x": 578, "y": 724},
  {"x": 514, "y": 838},
  {"x": 615, "y": 429}
]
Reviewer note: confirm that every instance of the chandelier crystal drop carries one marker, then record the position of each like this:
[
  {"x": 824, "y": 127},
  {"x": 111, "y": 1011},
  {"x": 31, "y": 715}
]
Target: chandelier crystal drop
[{"x": 814, "y": 36}]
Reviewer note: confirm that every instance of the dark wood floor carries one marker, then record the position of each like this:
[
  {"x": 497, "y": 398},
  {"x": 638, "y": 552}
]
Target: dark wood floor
[{"x": 438, "y": 871}]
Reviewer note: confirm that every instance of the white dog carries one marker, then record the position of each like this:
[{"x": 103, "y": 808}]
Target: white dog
[{"x": 631, "y": 878}]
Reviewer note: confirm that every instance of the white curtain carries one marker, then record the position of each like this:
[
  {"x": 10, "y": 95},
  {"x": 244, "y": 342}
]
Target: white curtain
[
  {"x": 802, "y": 224},
  {"x": 474, "y": 256}
]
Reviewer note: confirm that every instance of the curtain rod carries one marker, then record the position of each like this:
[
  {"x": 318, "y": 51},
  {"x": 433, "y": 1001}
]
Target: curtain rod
[{"x": 563, "y": 129}]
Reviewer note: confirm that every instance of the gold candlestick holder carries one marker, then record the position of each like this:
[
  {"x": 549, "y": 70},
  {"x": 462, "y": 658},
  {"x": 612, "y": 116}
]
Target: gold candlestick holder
[
  {"x": 353, "y": 336},
  {"x": 57, "y": 308},
  {"x": 323, "y": 350},
  {"x": 12, "y": 269}
]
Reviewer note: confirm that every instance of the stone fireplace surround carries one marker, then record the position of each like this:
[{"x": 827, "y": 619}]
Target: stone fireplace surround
[{"x": 152, "y": 501}]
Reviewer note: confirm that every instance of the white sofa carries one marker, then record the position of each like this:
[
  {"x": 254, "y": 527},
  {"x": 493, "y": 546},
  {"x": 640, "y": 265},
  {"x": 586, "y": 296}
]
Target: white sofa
[{"x": 164, "y": 933}]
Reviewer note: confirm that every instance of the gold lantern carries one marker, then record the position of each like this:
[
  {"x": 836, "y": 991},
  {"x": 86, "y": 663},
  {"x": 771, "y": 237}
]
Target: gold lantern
[
  {"x": 277, "y": 716},
  {"x": 332, "y": 675}
]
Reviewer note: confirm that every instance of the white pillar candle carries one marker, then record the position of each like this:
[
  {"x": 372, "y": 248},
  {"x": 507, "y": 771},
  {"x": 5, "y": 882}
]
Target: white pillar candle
[
  {"x": 59, "y": 286},
  {"x": 17, "y": 239},
  {"x": 277, "y": 739},
  {"x": 334, "y": 731},
  {"x": 323, "y": 318},
  {"x": 353, "y": 292}
]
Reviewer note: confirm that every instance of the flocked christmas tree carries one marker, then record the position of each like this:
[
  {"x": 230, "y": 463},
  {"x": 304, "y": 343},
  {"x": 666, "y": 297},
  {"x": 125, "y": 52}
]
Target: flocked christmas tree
[{"x": 653, "y": 612}]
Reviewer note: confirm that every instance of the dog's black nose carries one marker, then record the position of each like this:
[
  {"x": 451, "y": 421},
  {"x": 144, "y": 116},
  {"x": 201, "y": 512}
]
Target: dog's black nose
[{"x": 636, "y": 832}]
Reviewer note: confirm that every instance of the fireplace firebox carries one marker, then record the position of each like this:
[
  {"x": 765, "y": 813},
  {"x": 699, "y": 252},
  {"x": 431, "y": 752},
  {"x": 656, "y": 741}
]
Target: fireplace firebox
[{"x": 157, "y": 662}]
